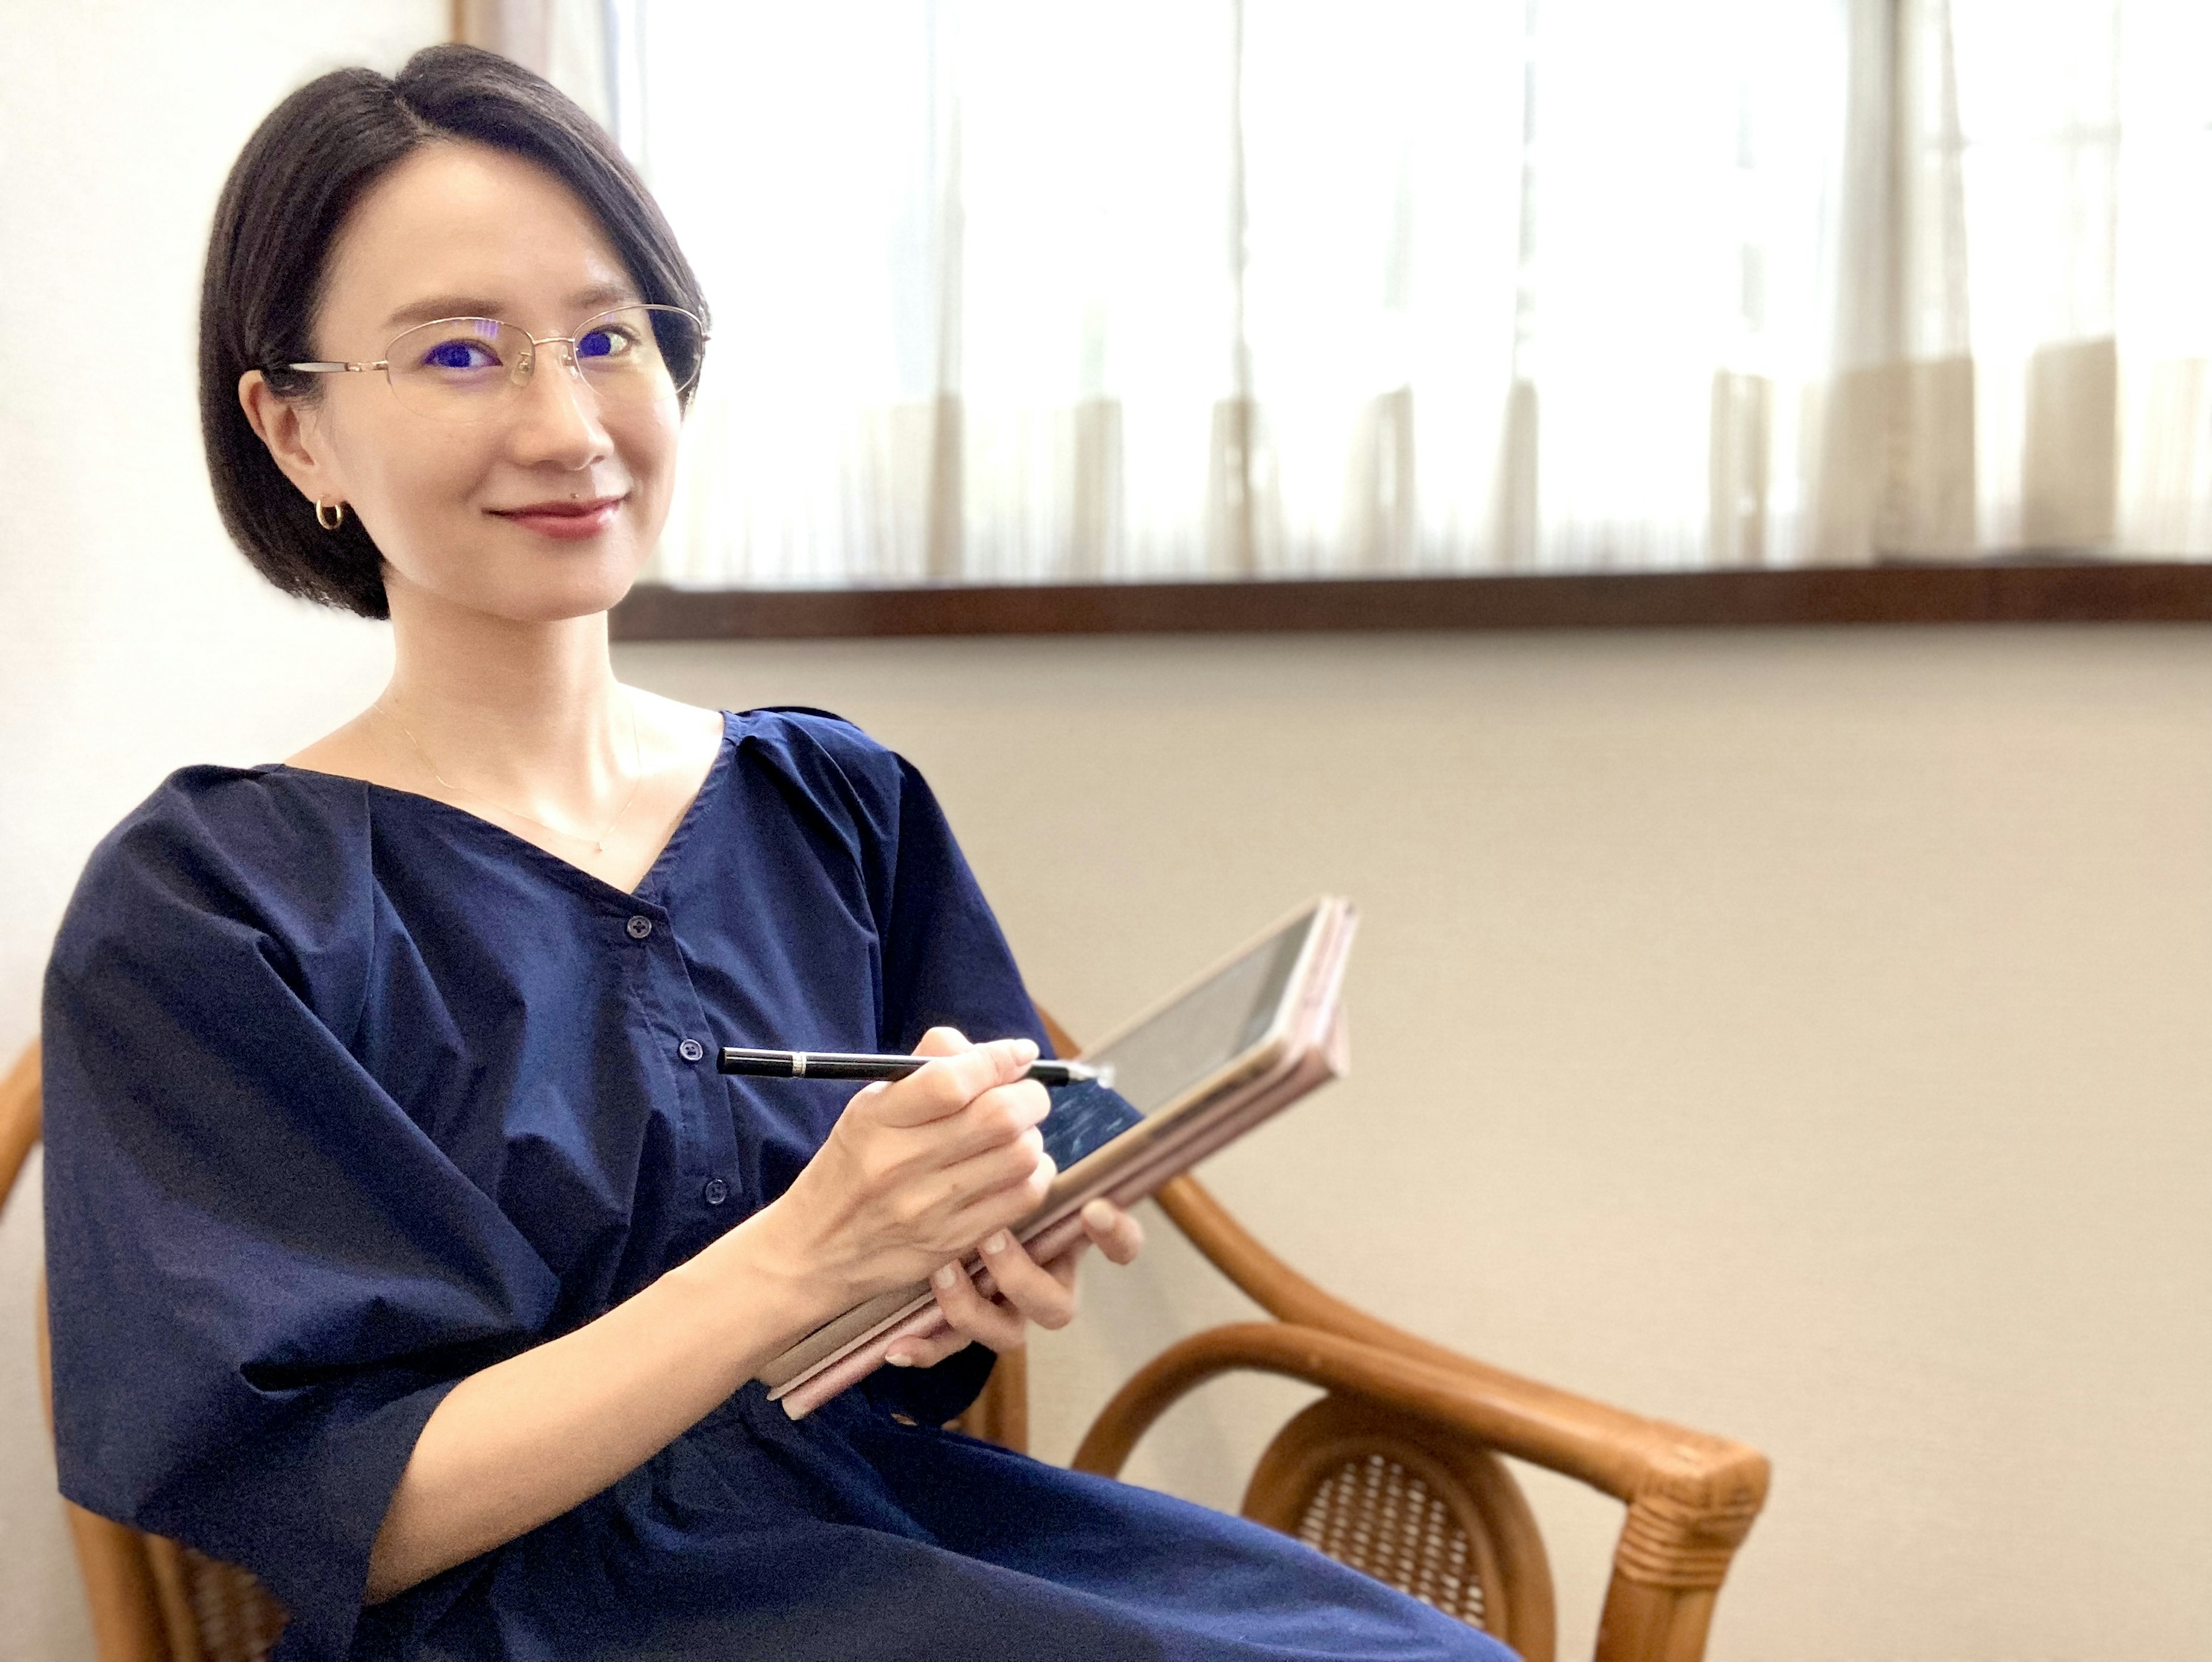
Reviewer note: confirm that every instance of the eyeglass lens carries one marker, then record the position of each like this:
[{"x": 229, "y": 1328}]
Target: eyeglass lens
[{"x": 464, "y": 368}]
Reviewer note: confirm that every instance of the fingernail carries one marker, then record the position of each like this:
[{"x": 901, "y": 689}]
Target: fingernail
[
  {"x": 1027, "y": 1048},
  {"x": 945, "y": 1275},
  {"x": 998, "y": 1243},
  {"x": 900, "y": 1358}
]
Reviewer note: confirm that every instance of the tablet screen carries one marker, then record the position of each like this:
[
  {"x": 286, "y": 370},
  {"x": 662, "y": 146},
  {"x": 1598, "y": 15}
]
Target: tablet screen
[{"x": 1164, "y": 1056}]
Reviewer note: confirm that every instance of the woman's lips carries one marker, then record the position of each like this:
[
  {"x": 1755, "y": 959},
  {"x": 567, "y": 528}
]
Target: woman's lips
[{"x": 565, "y": 521}]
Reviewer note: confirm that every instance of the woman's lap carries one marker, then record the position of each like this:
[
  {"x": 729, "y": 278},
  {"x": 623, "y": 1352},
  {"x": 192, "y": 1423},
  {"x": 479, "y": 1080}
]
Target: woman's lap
[{"x": 864, "y": 1540}]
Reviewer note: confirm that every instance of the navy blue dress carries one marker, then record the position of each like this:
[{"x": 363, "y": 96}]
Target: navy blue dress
[{"x": 349, "y": 1093}]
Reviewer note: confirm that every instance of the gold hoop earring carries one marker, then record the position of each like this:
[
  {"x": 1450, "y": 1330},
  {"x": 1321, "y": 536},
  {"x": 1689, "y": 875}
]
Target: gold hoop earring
[{"x": 329, "y": 515}]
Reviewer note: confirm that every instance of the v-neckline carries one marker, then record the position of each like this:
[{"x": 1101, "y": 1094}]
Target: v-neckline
[{"x": 568, "y": 869}]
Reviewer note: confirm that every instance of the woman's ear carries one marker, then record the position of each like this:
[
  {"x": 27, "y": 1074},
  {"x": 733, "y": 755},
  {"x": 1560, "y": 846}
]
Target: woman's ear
[{"x": 288, "y": 428}]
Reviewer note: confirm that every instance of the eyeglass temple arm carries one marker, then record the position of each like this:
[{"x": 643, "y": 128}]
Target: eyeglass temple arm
[{"x": 334, "y": 368}]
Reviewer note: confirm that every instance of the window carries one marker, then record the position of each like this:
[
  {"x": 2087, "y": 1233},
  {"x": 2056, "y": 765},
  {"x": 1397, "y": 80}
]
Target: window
[{"x": 1009, "y": 292}]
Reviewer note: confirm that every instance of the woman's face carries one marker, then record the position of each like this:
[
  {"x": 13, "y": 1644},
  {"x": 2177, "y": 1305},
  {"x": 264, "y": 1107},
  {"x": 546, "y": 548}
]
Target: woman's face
[{"x": 460, "y": 229}]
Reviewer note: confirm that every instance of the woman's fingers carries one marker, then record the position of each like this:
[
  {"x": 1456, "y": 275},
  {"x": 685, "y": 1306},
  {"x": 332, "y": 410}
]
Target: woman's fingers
[
  {"x": 984, "y": 1211},
  {"x": 927, "y": 1352},
  {"x": 980, "y": 1318},
  {"x": 953, "y": 1079},
  {"x": 1035, "y": 1292},
  {"x": 1117, "y": 1233},
  {"x": 1027, "y": 1291},
  {"x": 1017, "y": 1174},
  {"x": 996, "y": 1119},
  {"x": 943, "y": 1042},
  {"x": 1106, "y": 1227}
]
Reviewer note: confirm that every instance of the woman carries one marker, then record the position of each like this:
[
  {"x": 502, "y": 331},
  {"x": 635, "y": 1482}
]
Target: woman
[{"x": 406, "y": 1248}]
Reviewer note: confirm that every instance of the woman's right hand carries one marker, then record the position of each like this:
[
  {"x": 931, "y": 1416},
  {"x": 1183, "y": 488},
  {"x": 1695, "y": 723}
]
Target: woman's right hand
[{"x": 916, "y": 1173}]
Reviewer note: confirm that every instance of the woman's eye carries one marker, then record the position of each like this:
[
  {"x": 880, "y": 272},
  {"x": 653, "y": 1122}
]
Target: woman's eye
[
  {"x": 459, "y": 355},
  {"x": 602, "y": 343}
]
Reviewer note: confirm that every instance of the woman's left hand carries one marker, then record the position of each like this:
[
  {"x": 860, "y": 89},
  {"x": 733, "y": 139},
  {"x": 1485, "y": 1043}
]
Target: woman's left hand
[{"x": 1027, "y": 1291}]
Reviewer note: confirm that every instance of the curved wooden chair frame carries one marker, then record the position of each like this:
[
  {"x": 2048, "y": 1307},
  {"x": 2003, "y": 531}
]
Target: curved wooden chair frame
[{"x": 1396, "y": 1471}]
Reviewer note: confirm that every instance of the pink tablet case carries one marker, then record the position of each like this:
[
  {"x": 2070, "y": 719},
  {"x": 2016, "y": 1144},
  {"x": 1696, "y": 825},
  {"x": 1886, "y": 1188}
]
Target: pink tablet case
[
  {"x": 1318, "y": 1051},
  {"x": 1320, "y": 975}
]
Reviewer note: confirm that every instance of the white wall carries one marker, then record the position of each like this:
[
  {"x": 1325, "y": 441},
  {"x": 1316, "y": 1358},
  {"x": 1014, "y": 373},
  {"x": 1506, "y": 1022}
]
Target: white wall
[
  {"x": 132, "y": 637},
  {"x": 1829, "y": 1004}
]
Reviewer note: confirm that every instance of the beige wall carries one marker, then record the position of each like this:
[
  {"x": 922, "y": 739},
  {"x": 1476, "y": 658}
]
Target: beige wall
[
  {"x": 1825, "y": 1020},
  {"x": 1826, "y": 1008}
]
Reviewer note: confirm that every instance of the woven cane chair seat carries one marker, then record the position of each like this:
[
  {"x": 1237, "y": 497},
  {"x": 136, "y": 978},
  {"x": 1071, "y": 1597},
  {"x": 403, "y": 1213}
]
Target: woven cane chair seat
[
  {"x": 1439, "y": 1519},
  {"x": 220, "y": 1609},
  {"x": 1377, "y": 1516}
]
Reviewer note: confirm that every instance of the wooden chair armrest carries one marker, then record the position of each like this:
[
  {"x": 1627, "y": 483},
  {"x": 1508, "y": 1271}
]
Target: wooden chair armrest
[
  {"x": 1622, "y": 1454},
  {"x": 1625, "y": 1455},
  {"x": 1692, "y": 1498}
]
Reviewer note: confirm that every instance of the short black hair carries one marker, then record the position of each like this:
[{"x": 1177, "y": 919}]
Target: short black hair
[{"x": 283, "y": 207}]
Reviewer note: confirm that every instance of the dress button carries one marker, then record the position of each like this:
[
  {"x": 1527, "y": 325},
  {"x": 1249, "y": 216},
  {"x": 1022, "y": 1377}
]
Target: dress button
[
  {"x": 691, "y": 1050},
  {"x": 716, "y": 1191},
  {"x": 639, "y": 927}
]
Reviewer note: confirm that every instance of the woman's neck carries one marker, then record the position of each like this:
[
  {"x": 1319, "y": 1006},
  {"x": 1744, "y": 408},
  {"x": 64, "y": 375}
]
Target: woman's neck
[
  {"x": 526, "y": 726},
  {"x": 528, "y": 714}
]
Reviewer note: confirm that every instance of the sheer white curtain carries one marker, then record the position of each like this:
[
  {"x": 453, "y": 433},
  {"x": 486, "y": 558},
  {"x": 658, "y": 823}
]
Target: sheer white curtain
[
  {"x": 1006, "y": 290},
  {"x": 2054, "y": 275},
  {"x": 2086, "y": 160}
]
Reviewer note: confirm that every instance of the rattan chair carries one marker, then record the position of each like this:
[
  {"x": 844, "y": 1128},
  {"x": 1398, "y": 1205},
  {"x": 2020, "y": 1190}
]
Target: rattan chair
[{"x": 1396, "y": 1471}]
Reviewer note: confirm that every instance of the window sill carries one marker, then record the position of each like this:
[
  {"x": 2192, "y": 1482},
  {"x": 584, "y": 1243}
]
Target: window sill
[{"x": 2102, "y": 592}]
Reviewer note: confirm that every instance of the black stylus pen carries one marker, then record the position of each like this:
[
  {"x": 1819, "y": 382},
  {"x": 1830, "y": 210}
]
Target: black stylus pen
[{"x": 839, "y": 1064}]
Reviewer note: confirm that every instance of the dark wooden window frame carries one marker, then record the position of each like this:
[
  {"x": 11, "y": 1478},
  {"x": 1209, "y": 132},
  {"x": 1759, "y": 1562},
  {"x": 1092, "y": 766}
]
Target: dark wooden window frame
[{"x": 1988, "y": 592}]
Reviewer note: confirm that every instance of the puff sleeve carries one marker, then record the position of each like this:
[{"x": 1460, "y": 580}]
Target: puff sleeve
[{"x": 265, "y": 1275}]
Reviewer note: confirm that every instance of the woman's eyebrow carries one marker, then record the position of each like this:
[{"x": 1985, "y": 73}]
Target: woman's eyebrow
[
  {"x": 597, "y": 297},
  {"x": 443, "y": 306},
  {"x": 600, "y": 296}
]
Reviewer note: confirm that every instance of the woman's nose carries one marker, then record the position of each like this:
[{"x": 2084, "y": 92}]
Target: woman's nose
[{"x": 558, "y": 417}]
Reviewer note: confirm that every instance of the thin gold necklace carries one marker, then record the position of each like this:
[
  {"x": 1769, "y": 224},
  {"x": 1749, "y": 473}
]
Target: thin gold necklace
[{"x": 598, "y": 843}]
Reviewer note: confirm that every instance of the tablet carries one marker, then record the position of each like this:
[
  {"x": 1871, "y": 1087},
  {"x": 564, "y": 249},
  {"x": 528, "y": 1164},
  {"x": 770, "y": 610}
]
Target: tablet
[
  {"x": 1214, "y": 1042},
  {"x": 1231, "y": 1023}
]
